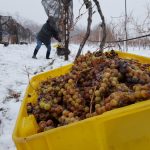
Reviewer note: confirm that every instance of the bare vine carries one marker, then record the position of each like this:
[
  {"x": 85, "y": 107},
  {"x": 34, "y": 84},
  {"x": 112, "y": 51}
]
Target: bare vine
[{"x": 80, "y": 15}]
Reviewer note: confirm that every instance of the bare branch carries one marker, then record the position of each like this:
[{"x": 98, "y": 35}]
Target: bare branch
[
  {"x": 43, "y": 68},
  {"x": 28, "y": 74},
  {"x": 89, "y": 7},
  {"x": 91, "y": 102},
  {"x": 103, "y": 25},
  {"x": 80, "y": 15}
]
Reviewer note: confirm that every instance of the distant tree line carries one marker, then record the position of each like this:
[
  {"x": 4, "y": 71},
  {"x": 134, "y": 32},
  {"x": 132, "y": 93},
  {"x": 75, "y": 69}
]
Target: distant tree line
[
  {"x": 13, "y": 32},
  {"x": 138, "y": 31}
]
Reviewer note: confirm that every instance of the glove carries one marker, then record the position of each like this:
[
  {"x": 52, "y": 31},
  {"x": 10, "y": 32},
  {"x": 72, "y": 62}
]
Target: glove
[{"x": 60, "y": 45}]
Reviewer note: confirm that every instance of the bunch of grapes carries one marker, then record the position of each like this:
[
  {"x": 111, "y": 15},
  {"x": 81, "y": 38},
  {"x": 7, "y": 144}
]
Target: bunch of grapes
[{"x": 98, "y": 82}]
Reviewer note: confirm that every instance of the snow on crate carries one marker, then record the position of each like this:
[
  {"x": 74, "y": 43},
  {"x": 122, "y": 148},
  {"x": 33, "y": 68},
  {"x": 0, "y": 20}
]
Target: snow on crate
[{"x": 15, "y": 66}]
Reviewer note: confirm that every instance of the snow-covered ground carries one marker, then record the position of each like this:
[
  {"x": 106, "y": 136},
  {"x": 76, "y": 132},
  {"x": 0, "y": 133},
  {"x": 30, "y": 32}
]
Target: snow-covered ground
[{"x": 15, "y": 62}]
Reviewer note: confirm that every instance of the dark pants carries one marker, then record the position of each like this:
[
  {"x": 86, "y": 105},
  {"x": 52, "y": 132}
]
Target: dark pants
[{"x": 48, "y": 46}]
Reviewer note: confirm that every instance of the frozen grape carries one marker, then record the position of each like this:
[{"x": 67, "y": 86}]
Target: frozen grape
[{"x": 97, "y": 82}]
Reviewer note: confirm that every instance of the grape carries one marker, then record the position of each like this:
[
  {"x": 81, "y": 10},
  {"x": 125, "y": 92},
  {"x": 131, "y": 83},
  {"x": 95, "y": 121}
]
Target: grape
[
  {"x": 97, "y": 99},
  {"x": 86, "y": 109},
  {"x": 49, "y": 123},
  {"x": 90, "y": 91},
  {"x": 97, "y": 93},
  {"x": 47, "y": 106},
  {"x": 114, "y": 103},
  {"x": 42, "y": 104},
  {"x": 42, "y": 124},
  {"x": 65, "y": 113},
  {"x": 70, "y": 81},
  {"x": 108, "y": 106},
  {"x": 99, "y": 110},
  {"x": 70, "y": 115},
  {"x": 29, "y": 108}
]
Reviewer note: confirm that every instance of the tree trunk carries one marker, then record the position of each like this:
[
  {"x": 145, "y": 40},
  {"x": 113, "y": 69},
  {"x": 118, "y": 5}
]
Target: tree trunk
[
  {"x": 0, "y": 30},
  {"x": 89, "y": 7},
  {"x": 103, "y": 25},
  {"x": 66, "y": 9}
]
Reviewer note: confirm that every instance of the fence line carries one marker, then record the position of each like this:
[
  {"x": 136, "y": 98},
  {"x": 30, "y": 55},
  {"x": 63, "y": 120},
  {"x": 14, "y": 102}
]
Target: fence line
[{"x": 119, "y": 41}]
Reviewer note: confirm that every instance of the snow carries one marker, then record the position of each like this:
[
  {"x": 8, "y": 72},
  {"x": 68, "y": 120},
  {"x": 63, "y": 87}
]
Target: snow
[
  {"x": 15, "y": 62},
  {"x": 140, "y": 51}
]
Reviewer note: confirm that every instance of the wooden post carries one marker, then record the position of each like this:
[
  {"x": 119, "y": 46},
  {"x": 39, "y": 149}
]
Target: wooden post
[{"x": 66, "y": 9}]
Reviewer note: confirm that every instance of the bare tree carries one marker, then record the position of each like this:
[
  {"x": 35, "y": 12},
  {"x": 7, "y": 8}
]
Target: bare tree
[
  {"x": 15, "y": 30},
  {"x": 3, "y": 25}
]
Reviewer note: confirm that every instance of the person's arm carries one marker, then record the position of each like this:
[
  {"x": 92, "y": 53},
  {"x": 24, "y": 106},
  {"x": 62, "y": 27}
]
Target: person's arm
[
  {"x": 54, "y": 29},
  {"x": 55, "y": 34}
]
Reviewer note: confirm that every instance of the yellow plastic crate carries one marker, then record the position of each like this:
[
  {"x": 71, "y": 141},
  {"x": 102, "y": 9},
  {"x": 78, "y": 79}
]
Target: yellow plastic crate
[{"x": 126, "y": 128}]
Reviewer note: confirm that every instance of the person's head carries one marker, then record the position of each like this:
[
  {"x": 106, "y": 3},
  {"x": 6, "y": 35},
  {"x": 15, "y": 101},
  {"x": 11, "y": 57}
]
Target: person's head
[{"x": 51, "y": 20}]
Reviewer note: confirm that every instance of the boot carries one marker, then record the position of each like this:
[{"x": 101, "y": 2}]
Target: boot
[
  {"x": 47, "y": 55},
  {"x": 35, "y": 53},
  {"x": 34, "y": 57}
]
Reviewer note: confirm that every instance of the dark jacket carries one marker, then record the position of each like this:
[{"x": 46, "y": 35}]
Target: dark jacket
[{"x": 47, "y": 31}]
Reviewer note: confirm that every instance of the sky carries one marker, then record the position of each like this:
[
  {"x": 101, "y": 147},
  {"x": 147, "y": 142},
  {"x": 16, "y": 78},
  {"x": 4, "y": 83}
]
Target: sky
[{"x": 33, "y": 9}]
